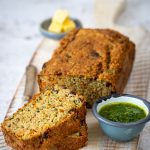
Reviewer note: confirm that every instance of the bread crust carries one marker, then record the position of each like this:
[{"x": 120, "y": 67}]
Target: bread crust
[{"x": 51, "y": 136}]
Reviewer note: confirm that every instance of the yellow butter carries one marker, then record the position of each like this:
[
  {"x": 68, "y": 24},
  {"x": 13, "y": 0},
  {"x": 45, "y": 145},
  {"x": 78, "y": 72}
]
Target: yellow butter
[
  {"x": 68, "y": 25},
  {"x": 61, "y": 22},
  {"x": 60, "y": 16},
  {"x": 55, "y": 27}
]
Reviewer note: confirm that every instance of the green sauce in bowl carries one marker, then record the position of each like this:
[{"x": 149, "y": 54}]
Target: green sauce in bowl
[{"x": 122, "y": 112}]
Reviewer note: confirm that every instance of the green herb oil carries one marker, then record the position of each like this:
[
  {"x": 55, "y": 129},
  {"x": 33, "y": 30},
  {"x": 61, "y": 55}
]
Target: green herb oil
[{"x": 122, "y": 112}]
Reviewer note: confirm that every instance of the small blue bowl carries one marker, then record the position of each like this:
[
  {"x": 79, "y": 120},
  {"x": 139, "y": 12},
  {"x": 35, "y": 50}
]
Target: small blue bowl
[
  {"x": 44, "y": 29},
  {"x": 121, "y": 131}
]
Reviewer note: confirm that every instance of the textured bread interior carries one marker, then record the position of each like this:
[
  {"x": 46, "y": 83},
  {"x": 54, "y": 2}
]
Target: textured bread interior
[
  {"x": 90, "y": 88},
  {"x": 46, "y": 110},
  {"x": 49, "y": 117}
]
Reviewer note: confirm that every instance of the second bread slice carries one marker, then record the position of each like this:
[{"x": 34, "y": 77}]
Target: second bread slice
[{"x": 74, "y": 141}]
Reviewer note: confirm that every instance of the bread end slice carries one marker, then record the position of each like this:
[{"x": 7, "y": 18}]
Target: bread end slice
[{"x": 75, "y": 141}]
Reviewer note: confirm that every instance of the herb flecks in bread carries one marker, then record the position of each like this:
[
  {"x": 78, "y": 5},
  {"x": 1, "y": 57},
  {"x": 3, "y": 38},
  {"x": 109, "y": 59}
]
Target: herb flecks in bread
[{"x": 53, "y": 114}]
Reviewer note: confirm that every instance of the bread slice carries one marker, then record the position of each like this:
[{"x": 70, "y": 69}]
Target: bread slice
[
  {"x": 90, "y": 62},
  {"x": 47, "y": 119},
  {"x": 74, "y": 141}
]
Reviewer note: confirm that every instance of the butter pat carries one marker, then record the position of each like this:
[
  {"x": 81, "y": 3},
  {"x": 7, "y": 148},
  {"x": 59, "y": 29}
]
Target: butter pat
[
  {"x": 68, "y": 25},
  {"x": 55, "y": 27},
  {"x": 60, "y": 16},
  {"x": 61, "y": 22}
]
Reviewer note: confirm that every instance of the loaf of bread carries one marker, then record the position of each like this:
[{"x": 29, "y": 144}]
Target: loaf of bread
[
  {"x": 90, "y": 62},
  {"x": 46, "y": 120}
]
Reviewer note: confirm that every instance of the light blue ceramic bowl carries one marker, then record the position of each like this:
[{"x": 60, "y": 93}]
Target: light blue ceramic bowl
[
  {"x": 44, "y": 29},
  {"x": 121, "y": 131}
]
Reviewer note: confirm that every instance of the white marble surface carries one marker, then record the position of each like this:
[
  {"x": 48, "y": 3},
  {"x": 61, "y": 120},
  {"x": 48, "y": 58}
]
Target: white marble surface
[{"x": 19, "y": 33}]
